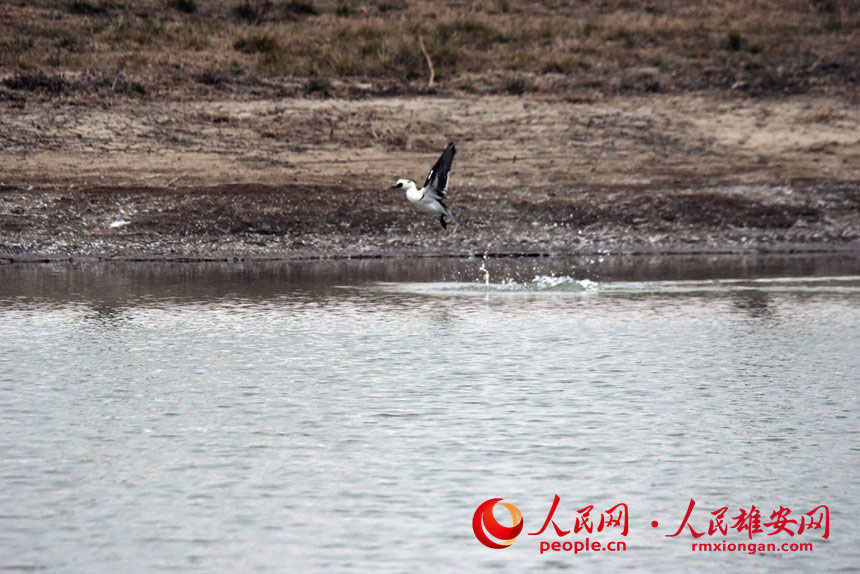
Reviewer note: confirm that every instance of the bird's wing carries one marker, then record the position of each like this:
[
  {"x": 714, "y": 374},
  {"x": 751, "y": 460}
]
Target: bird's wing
[{"x": 437, "y": 179}]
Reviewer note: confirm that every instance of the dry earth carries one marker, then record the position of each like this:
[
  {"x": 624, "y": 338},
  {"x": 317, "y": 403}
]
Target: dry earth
[
  {"x": 504, "y": 142},
  {"x": 533, "y": 174}
]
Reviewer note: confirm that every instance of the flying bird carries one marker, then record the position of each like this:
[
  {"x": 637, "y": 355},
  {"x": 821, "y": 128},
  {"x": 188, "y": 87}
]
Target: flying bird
[{"x": 430, "y": 198}]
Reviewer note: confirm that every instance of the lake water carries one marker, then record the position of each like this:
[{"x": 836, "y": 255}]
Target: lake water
[{"x": 351, "y": 416}]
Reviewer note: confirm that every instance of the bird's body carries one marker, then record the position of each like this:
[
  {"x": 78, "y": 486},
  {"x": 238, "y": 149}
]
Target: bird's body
[
  {"x": 423, "y": 200},
  {"x": 430, "y": 198}
]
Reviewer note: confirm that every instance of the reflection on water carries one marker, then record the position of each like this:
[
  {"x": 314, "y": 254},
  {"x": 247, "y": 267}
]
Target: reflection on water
[
  {"x": 350, "y": 416},
  {"x": 757, "y": 303}
]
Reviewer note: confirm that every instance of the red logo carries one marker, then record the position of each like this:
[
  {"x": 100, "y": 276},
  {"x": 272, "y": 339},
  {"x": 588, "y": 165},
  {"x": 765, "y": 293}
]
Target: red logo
[{"x": 484, "y": 523}]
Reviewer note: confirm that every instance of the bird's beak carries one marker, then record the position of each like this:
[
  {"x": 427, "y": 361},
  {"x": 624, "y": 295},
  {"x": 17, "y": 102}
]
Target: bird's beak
[{"x": 393, "y": 187}]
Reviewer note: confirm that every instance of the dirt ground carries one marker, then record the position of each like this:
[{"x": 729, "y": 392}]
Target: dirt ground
[
  {"x": 309, "y": 177},
  {"x": 273, "y": 128},
  {"x": 504, "y": 142}
]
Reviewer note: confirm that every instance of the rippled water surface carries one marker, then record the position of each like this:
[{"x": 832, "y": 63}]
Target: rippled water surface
[{"x": 351, "y": 416}]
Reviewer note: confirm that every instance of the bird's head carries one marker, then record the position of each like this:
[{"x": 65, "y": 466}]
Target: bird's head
[{"x": 404, "y": 184}]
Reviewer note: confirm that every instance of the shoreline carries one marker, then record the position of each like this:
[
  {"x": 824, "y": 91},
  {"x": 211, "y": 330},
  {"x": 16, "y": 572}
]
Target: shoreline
[{"x": 851, "y": 248}]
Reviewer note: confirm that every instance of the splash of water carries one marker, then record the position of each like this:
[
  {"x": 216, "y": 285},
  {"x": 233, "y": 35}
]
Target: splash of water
[
  {"x": 540, "y": 284},
  {"x": 486, "y": 272},
  {"x": 557, "y": 283}
]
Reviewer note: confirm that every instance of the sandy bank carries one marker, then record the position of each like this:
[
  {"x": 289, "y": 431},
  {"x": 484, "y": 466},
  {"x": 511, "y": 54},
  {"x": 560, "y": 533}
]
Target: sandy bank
[{"x": 305, "y": 177}]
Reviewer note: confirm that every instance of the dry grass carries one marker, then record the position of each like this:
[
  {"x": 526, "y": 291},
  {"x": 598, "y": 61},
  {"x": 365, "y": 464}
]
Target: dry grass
[{"x": 510, "y": 46}]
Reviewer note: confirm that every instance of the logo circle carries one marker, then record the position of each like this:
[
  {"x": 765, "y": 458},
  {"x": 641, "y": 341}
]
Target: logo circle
[{"x": 484, "y": 524}]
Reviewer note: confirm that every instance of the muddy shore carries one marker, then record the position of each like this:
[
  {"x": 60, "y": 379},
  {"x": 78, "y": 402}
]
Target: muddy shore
[
  {"x": 298, "y": 222},
  {"x": 307, "y": 178}
]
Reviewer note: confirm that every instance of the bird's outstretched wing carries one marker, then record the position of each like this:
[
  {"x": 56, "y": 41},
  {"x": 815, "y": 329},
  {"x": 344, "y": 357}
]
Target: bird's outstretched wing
[{"x": 437, "y": 179}]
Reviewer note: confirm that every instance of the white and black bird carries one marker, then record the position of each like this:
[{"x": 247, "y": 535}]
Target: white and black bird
[{"x": 430, "y": 198}]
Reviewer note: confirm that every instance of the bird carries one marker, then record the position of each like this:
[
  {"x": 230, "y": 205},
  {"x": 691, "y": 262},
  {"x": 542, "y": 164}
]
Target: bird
[{"x": 430, "y": 198}]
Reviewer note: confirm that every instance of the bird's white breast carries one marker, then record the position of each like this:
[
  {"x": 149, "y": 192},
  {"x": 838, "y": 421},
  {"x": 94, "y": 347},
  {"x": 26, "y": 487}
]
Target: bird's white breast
[{"x": 414, "y": 194}]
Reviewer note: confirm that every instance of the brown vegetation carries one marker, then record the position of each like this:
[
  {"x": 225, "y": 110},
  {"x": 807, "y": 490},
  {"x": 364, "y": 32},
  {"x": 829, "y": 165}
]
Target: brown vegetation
[{"x": 162, "y": 47}]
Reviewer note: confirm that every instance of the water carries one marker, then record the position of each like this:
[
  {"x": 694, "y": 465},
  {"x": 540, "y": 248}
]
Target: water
[{"x": 351, "y": 416}]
